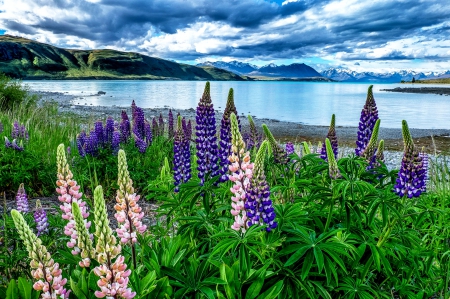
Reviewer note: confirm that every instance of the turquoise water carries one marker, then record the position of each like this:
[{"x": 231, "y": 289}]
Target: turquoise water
[{"x": 303, "y": 102}]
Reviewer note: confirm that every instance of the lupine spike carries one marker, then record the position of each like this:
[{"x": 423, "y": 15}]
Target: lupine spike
[
  {"x": 22, "y": 200},
  {"x": 83, "y": 238},
  {"x": 279, "y": 154},
  {"x": 125, "y": 127},
  {"x": 206, "y": 137},
  {"x": 225, "y": 136},
  {"x": 370, "y": 152},
  {"x": 241, "y": 173},
  {"x": 254, "y": 138},
  {"x": 306, "y": 148},
  {"x": 411, "y": 177},
  {"x": 369, "y": 116},
  {"x": 45, "y": 271},
  {"x": 290, "y": 148},
  {"x": 171, "y": 131},
  {"x": 332, "y": 164},
  {"x": 380, "y": 151},
  {"x": 178, "y": 157},
  {"x": 40, "y": 217},
  {"x": 161, "y": 125},
  {"x": 331, "y": 135}
]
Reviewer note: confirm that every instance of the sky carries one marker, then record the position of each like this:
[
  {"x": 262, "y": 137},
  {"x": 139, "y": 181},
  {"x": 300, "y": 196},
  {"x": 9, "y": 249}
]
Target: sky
[{"x": 361, "y": 35}]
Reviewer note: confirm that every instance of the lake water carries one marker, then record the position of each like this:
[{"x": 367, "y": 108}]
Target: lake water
[{"x": 303, "y": 102}]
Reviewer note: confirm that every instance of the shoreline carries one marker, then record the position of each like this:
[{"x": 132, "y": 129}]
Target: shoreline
[
  {"x": 282, "y": 130},
  {"x": 426, "y": 90}
]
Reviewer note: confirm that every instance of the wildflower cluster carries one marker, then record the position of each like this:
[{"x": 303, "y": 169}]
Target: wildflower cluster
[
  {"x": 142, "y": 133},
  {"x": 369, "y": 116},
  {"x": 182, "y": 155},
  {"x": 101, "y": 137},
  {"x": 19, "y": 136}
]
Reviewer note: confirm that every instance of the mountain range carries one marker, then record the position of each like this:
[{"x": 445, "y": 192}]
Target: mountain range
[{"x": 28, "y": 59}]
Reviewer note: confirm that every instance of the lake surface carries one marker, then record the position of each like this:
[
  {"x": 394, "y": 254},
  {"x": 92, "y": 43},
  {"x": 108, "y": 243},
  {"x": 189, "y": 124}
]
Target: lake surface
[{"x": 310, "y": 103}]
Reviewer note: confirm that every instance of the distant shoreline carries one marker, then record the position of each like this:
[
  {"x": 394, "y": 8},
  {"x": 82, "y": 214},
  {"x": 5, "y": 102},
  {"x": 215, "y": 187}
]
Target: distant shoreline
[{"x": 429, "y": 90}]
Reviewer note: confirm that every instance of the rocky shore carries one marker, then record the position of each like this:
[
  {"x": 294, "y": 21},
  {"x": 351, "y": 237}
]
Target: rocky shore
[{"x": 431, "y": 90}]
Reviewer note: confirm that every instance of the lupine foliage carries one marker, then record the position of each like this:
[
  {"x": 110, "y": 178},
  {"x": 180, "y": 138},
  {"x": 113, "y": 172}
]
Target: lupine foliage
[{"x": 341, "y": 230}]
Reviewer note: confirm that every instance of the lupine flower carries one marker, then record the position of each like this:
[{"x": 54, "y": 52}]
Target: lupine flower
[
  {"x": 81, "y": 143},
  {"x": 290, "y": 148},
  {"x": 22, "y": 200},
  {"x": 18, "y": 147},
  {"x": 240, "y": 174},
  {"x": 279, "y": 154},
  {"x": 92, "y": 144},
  {"x": 181, "y": 157},
  {"x": 411, "y": 177},
  {"x": 133, "y": 110},
  {"x": 7, "y": 142},
  {"x": 369, "y": 116},
  {"x": 125, "y": 128},
  {"x": 40, "y": 217},
  {"x": 128, "y": 214},
  {"x": 258, "y": 204},
  {"x": 319, "y": 147},
  {"x": 140, "y": 143},
  {"x": 333, "y": 169},
  {"x": 109, "y": 130},
  {"x": 115, "y": 142},
  {"x": 84, "y": 241},
  {"x": 99, "y": 134},
  {"x": 148, "y": 133},
  {"x": 370, "y": 151},
  {"x": 225, "y": 136},
  {"x": 155, "y": 129},
  {"x": 139, "y": 123},
  {"x": 171, "y": 131},
  {"x": 19, "y": 131},
  {"x": 68, "y": 191},
  {"x": 1, "y": 127},
  {"x": 116, "y": 272},
  {"x": 161, "y": 125},
  {"x": 187, "y": 128},
  {"x": 424, "y": 157},
  {"x": 253, "y": 138},
  {"x": 380, "y": 151},
  {"x": 333, "y": 140},
  {"x": 206, "y": 137},
  {"x": 45, "y": 271}
]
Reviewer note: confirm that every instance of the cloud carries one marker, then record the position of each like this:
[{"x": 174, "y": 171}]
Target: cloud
[{"x": 337, "y": 30}]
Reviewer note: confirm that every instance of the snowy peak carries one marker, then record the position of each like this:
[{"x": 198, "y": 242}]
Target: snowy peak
[{"x": 346, "y": 75}]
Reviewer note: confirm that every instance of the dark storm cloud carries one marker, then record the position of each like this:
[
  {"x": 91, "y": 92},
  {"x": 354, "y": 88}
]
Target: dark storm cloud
[{"x": 361, "y": 27}]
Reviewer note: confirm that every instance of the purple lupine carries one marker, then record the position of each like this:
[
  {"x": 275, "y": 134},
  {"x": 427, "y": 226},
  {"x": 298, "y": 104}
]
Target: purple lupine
[
  {"x": 1, "y": 127},
  {"x": 178, "y": 155},
  {"x": 125, "y": 128},
  {"x": 225, "y": 136},
  {"x": 15, "y": 133},
  {"x": 98, "y": 128},
  {"x": 369, "y": 116},
  {"x": 331, "y": 135},
  {"x": 7, "y": 142},
  {"x": 290, "y": 148},
  {"x": 155, "y": 129},
  {"x": 411, "y": 177},
  {"x": 279, "y": 154},
  {"x": 91, "y": 147},
  {"x": 81, "y": 143},
  {"x": 189, "y": 130},
  {"x": 161, "y": 125},
  {"x": 148, "y": 133},
  {"x": 171, "y": 132},
  {"x": 17, "y": 147},
  {"x": 22, "y": 200},
  {"x": 109, "y": 130},
  {"x": 139, "y": 123},
  {"x": 252, "y": 138},
  {"x": 40, "y": 217},
  {"x": 206, "y": 137},
  {"x": 258, "y": 204},
  {"x": 133, "y": 110},
  {"x": 140, "y": 143},
  {"x": 115, "y": 142}
]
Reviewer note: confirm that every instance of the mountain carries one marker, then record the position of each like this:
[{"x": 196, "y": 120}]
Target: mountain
[
  {"x": 295, "y": 70},
  {"x": 346, "y": 75},
  {"x": 28, "y": 59}
]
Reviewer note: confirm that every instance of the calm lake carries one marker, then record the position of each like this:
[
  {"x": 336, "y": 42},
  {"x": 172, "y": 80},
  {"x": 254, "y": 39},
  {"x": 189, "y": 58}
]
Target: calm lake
[{"x": 310, "y": 103}]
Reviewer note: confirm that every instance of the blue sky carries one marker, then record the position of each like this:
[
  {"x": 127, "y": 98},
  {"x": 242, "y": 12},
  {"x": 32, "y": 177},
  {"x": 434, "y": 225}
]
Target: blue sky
[{"x": 375, "y": 35}]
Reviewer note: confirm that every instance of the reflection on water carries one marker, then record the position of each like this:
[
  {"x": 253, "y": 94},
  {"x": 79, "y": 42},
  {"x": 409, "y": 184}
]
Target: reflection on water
[{"x": 304, "y": 102}]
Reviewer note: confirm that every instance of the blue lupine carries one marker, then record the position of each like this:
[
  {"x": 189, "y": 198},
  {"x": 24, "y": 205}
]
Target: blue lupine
[
  {"x": 115, "y": 142},
  {"x": 252, "y": 137},
  {"x": 81, "y": 143},
  {"x": 109, "y": 130},
  {"x": 7, "y": 142},
  {"x": 98, "y": 128},
  {"x": 161, "y": 125},
  {"x": 225, "y": 136},
  {"x": 22, "y": 200},
  {"x": 40, "y": 217},
  {"x": 148, "y": 133},
  {"x": 331, "y": 135},
  {"x": 181, "y": 157},
  {"x": 91, "y": 147},
  {"x": 369, "y": 116},
  {"x": 139, "y": 123},
  {"x": 140, "y": 143},
  {"x": 411, "y": 177},
  {"x": 171, "y": 131},
  {"x": 258, "y": 204},
  {"x": 206, "y": 137},
  {"x": 290, "y": 148}
]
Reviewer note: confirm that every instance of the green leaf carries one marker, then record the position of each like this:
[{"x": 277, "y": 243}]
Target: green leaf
[
  {"x": 208, "y": 292},
  {"x": 12, "y": 292},
  {"x": 319, "y": 258},
  {"x": 25, "y": 288},
  {"x": 76, "y": 290},
  {"x": 297, "y": 255},
  {"x": 255, "y": 288},
  {"x": 213, "y": 280},
  {"x": 273, "y": 291},
  {"x": 307, "y": 263},
  {"x": 92, "y": 281}
]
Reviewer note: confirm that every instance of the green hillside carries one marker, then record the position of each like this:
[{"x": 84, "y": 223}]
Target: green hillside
[{"x": 27, "y": 59}]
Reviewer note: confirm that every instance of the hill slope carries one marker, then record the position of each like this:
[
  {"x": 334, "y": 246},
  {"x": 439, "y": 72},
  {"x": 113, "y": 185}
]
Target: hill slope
[{"x": 27, "y": 59}]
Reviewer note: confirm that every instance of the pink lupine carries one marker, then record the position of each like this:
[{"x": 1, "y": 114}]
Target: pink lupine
[
  {"x": 241, "y": 174},
  {"x": 113, "y": 282},
  {"x": 68, "y": 191}
]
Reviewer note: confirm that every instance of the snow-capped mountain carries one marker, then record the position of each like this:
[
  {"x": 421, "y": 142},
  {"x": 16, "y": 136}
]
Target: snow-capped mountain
[
  {"x": 295, "y": 70},
  {"x": 346, "y": 75}
]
